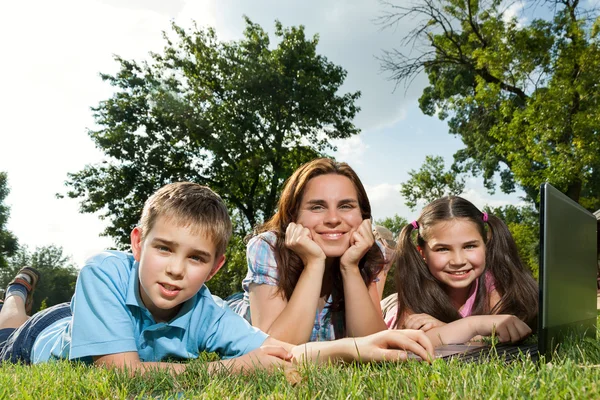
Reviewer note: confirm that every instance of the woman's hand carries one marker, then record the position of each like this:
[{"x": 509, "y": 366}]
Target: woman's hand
[
  {"x": 422, "y": 322},
  {"x": 299, "y": 240},
  {"x": 361, "y": 240},
  {"x": 394, "y": 345}
]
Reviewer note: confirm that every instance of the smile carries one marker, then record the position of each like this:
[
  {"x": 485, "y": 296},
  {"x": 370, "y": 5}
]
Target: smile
[
  {"x": 458, "y": 273},
  {"x": 332, "y": 235}
]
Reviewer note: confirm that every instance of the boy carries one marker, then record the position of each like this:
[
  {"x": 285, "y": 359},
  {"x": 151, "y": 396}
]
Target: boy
[{"x": 135, "y": 310}]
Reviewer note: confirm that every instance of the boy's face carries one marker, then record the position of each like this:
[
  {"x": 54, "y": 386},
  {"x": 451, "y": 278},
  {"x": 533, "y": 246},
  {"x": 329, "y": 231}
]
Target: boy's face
[{"x": 174, "y": 263}]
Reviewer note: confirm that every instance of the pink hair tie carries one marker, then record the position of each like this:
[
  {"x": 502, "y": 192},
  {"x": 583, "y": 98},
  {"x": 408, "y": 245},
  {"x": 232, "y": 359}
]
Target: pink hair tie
[
  {"x": 485, "y": 217},
  {"x": 415, "y": 224}
]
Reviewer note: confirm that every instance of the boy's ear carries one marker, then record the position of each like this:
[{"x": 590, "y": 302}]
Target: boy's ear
[
  {"x": 136, "y": 243},
  {"x": 219, "y": 262}
]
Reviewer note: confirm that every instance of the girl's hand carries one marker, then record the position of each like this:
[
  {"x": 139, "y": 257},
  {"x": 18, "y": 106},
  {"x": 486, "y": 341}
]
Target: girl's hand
[
  {"x": 299, "y": 240},
  {"x": 422, "y": 322},
  {"x": 507, "y": 328},
  {"x": 361, "y": 240}
]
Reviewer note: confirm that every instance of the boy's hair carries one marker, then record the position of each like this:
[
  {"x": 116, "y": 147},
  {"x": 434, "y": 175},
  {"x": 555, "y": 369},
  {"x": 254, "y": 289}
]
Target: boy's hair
[
  {"x": 189, "y": 205},
  {"x": 420, "y": 292},
  {"x": 289, "y": 265}
]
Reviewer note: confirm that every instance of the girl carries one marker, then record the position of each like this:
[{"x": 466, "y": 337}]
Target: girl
[
  {"x": 464, "y": 263},
  {"x": 312, "y": 266}
]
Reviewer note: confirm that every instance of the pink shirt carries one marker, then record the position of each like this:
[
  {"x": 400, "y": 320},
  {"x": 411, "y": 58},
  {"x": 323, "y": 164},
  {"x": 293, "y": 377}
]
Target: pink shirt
[{"x": 391, "y": 315}]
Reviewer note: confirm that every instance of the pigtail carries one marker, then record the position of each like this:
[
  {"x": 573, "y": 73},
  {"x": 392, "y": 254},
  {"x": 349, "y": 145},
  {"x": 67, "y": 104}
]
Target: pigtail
[
  {"x": 517, "y": 288},
  {"x": 418, "y": 291}
]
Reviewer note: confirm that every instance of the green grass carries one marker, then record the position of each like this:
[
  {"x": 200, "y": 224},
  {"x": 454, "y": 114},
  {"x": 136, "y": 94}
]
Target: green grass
[{"x": 573, "y": 373}]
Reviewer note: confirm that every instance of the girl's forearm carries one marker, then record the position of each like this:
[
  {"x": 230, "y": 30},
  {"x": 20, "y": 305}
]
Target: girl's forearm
[{"x": 456, "y": 332}]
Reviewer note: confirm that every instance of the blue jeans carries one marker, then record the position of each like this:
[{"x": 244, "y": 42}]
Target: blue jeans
[{"x": 16, "y": 344}]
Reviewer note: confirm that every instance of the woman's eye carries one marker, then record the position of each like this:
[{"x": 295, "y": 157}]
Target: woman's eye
[
  {"x": 346, "y": 206},
  {"x": 316, "y": 208}
]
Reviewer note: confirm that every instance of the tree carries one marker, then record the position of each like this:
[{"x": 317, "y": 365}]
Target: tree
[
  {"x": 431, "y": 182},
  {"x": 394, "y": 224},
  {"x": 523, "y": 96},
  {"x": 524, "y": 225},
  {"x": 58, "y": 274},
  {"x": 237, "y": 116},
  {"x": 8, "y": 241}
]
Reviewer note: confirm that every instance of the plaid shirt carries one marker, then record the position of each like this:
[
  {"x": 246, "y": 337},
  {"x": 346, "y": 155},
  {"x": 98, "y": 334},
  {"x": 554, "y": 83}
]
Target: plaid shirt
[{"x": 262, "y": 270}]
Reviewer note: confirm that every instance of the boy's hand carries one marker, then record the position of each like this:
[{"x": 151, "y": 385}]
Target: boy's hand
[
  {"x": 393, "y": 345},
  {"x": 423, "y": 322},
  {"x": 299, "y": 240},
  {"x": 507, "y": 328},
  {"x": 361, "y": 240},
  {"x": 265, "y": 357}
]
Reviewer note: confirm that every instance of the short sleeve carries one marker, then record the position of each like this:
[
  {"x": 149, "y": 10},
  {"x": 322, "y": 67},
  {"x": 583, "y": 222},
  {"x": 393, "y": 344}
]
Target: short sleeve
[
  {"x": 101, "y": 319},
  {"x": 262, "y": 268},
  {"x": 231, "y": 335}
]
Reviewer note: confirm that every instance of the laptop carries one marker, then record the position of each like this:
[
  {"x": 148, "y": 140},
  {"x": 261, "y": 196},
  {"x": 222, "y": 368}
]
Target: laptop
[{"x": 567, "y": 282}]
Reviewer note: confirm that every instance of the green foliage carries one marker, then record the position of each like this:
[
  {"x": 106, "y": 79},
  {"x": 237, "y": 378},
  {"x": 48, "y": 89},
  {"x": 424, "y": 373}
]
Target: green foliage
[
  {"x": 431, "y": 182},
  {"x": 394, "y": 224},
  {"x": 58, "y": 274},
  {"x": 237, "y": 116},
  {"x": 229, "y": 279},
  {"x": 524, "y": 225},
  {"x": 522, "y": 95},
  {"x": 8, "y": 241}
]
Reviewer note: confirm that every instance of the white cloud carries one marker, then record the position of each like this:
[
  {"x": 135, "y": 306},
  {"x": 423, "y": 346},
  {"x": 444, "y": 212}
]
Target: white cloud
[
  {"x": 515, "y": 10},
  {"x": 350, "y": 150},
  {"x": 386, "y": 201}
]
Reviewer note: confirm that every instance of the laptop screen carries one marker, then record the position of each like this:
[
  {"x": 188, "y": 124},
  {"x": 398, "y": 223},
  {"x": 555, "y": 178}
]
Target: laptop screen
[{"x": 567, "y": 269}]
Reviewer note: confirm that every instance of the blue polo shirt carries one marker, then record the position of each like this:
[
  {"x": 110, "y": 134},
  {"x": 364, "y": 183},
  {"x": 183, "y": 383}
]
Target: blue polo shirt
[{"x": 109, "y": 317}]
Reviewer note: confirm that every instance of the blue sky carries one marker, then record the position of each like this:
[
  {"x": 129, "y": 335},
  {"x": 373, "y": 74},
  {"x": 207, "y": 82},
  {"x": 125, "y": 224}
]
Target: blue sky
[{"x": 54, "y": 51}]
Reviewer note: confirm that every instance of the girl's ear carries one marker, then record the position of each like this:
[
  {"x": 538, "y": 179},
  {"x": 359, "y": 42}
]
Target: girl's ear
[
  {"x": 136, "y": 243},
  {"x": 421, "y": 252}
]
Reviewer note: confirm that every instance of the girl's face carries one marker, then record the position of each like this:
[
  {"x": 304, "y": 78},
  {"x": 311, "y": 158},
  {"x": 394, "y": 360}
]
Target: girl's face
[
  {"x": 330, "y": 210},
  {"x": 455, "y": 255}
]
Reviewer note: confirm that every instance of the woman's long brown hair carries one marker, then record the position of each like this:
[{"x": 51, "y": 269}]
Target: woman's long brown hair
[
  {"x": 420, "y": 292},
  {"x": 289, "y": 264}
]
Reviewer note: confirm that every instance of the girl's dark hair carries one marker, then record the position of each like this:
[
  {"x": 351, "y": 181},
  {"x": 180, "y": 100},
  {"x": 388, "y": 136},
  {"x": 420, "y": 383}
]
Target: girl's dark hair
[
  {"x": 289, "y": 265},
  {"x": 420, "y": 292}
]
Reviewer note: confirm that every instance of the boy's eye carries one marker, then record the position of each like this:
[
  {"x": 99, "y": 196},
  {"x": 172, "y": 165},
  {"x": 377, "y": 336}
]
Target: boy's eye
[
  {"x": 197, "y": 258},
  {"x": 163, "y": 248}
]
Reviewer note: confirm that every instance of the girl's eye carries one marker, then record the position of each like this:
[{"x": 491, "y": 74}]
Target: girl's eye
[{"x": 441, "y": 249}]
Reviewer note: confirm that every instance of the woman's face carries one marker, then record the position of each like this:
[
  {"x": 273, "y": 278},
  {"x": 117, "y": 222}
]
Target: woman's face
[{"x": 330, "y": 210}]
